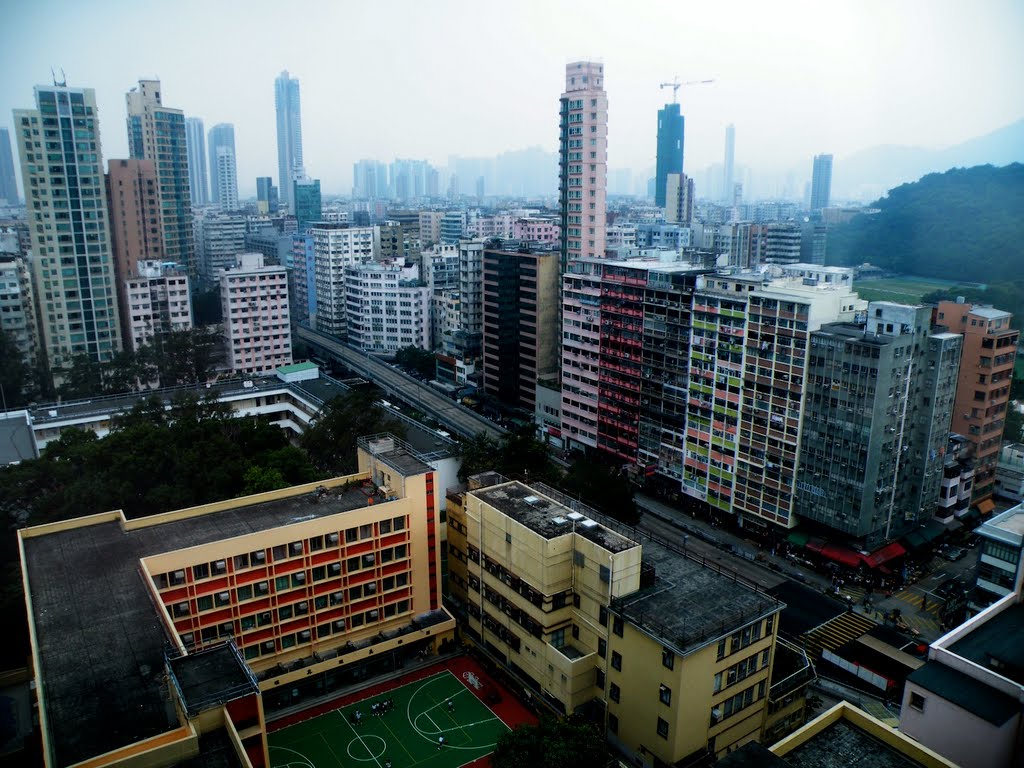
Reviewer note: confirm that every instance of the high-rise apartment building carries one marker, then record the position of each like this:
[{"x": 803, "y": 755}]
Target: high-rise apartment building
[
  {"x": 520, "y": 341},
  {"x": 133, "y": 204},
  {"x": 157, "y": 133},
  {"x": 254, "y": 303},
  {"x": 8, "y": 184},
  {"x": 679, "y": 197},
  {"x": 821, "y": 183},
  {"x": 219, "y": 237},
  {"x": 223, "y": 173},
  {"x": 73, "y": 265},
  {"x": 369, "y": 180},
  {"x": 877, "y": 403},
  {"x": 671, "y": 132},
  {"x": 266, "y": 195},
  {"x": 782, "y": 243},
  {"x": 158, "y": 302},
  {"x": 289, "y": 136},
  {"x": 388, "y": 307},
  {"x": 729, "y": 165},
  {"x": 583, "y": 162},
  {"x": 983, "y": 389},
  {"x": 17, "y": 307},
  {"x": 195, "y": 146},
  {"x": 335, "y": 247}
]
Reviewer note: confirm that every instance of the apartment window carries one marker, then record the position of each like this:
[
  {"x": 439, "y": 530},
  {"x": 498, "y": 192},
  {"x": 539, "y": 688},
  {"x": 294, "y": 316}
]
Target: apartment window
[
  {"x": 602, "y": 616},
  {"x": 617, "y": 626},
  {"x": 613, "y": 692},
  {"x": 599, "y": 679},
  {"x": 606, "y": 574},
  {"x": 668, "y": 658},
  {"x": 917, "y": 701},
  {"x": 665, "y": 694},
  {"x": 616, "y": 660},
  {"x": 602, "y": 647},
  {"x": 663, "y": 728},
  {"x": 613, "y": 723}
]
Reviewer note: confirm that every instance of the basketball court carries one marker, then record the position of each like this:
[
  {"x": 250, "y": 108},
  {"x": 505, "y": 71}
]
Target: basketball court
[{"x": 447, "y": 704}]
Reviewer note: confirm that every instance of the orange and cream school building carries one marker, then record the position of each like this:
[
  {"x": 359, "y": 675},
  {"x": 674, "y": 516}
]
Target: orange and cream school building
[{"x": 170, "y": 637}]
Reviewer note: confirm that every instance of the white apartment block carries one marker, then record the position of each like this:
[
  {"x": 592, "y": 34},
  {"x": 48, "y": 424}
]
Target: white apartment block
[
  {"x": 219, "y": 239},
  {"x": 254, "y": 299},
  {"x": 388, "y": 307},
  {"x": 159, "y": 301},
  {"x": 336, "y": 247}
]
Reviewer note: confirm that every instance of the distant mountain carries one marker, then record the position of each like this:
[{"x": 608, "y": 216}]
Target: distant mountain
[
  {"x": 869, "y": 173},
  {"x": 964, "y": 225}
]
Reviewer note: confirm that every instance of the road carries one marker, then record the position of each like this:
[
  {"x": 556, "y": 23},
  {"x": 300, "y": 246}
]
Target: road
[{"x": 452, "y": 415}]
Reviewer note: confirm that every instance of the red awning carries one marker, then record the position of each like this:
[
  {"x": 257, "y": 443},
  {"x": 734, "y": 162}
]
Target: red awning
[
  {"x": 884, "y": 555},
  {"x": 815, "y": 545},
  {"x": 840, "y": 554}
]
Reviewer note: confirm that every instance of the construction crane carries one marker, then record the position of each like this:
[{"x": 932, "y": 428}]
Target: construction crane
[{"x": 675, "y": 84}]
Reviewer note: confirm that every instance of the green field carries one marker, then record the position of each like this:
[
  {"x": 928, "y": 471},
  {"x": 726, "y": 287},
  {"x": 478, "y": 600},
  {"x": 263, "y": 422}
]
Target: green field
[
  {"x": 407, "y": 736},
  {"x": 906, "y": 290}
]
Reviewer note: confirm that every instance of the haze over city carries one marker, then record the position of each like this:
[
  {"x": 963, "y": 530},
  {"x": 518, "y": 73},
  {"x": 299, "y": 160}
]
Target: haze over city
[{"x": 430, "y": 80}]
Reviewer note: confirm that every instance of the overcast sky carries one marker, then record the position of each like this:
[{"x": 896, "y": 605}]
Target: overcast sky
[{"x": 433, "y": 78}]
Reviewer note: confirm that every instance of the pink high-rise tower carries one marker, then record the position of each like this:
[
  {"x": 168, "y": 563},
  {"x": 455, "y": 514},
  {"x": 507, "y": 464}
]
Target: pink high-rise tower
[{"x": 583, "y": 161}]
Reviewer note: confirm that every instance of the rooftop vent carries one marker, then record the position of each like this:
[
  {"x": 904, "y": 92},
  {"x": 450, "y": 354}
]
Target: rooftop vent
[
  {"x": 532, "y": 499},
  {"x": 575, "y": 516},
  {"x": 559, "y": 520},
  {"x": 588, "y": 523}
]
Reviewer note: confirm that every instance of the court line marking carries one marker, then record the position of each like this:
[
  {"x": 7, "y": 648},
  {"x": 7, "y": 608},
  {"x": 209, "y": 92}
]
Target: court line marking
[
  {"x": 412, "y": 721},
  {"x": 356, "y": 733},
  {"x": 294, "y": 752}
]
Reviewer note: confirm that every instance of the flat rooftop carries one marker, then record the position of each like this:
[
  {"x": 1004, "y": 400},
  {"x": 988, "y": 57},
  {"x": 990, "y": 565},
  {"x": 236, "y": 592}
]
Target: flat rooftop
[
  {"x": 547, "y": 517},
  {"x": 1010, "y": 522},
  {"x": 689, "y": 604},
  {"x": 844, "y": 744},
  {"x": 965, "y": 692},
  {"x": 997, "y": 644},
  {"x": 212, "y": 677},
  {"x": 101, "y": 645}
]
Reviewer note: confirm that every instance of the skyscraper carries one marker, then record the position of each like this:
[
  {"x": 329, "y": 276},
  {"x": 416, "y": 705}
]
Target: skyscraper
[
  {"x": 8, "y": 186},
  {"x": 157, "y": 133},
  {"x": 821, "y": 183},
  {"x": 289, "y": 135},
  {"x": 266, "y": 194},
  {"x": 728, "y": 173},
  {"x": 222, "y": 136},
  {"x": 195, "y": 144},
  {"x": 306, "y": 202},
  {"x": 583, "y": 162},
  {"x": 74, "y": 270},
  {"x": 671, "y": 126}
]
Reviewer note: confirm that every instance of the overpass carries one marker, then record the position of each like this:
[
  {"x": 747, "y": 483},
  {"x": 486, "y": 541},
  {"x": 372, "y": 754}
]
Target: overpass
[{"x": 452, "y": 415}]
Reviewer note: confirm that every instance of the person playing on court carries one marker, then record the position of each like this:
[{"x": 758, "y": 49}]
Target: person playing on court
[
  {"x": 451, "y": 705},
  {"x": 440, "y": 742},
  {"x": 359, "y": 717}
]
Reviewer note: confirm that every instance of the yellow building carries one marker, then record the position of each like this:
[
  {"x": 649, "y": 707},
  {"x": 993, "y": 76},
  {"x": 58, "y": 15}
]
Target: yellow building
[
  {"x": 673, "y": 656},
  {"x": 229, "y": 611}
]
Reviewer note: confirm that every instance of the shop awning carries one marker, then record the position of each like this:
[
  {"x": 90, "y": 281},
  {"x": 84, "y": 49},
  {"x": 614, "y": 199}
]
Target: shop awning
[
  {"x": 971, "y": 518},
  {"x": 798, "y": 538},
  {"x": 985, "y": 506},
  {"x": 884, "y": 555},
  {"x": 815, "y": 545},
  {"x": 932, "y": 530},
  {"x": 914, "y": 540},
  {"x": 842, "y": 555}
]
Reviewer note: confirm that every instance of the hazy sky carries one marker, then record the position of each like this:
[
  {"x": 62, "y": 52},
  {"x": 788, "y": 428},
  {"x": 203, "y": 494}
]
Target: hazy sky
[{"x": 433, "y": 78}]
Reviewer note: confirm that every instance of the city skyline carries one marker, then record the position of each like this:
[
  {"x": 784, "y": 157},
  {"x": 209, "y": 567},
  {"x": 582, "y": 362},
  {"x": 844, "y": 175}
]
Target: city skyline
[{"x": 880, "y": 75}]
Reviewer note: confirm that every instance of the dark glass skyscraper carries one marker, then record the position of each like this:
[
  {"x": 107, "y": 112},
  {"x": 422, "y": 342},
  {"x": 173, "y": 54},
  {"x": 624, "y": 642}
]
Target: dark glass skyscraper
[
  {"x": 306, "y": 196},
  {"x": 821, "y": 183},
  {"x": 670, "y": 149}
]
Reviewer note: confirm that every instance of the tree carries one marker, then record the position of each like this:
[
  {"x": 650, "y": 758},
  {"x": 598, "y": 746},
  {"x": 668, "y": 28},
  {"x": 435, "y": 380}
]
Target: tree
[
  {"x": 420, "y": 360},
  {"x": 188, "y": 357},
  {"x": 569, "y": 743},
  {"x": 15, "y": 374},
  {"x": 603, "y": 486},
  {"x": 479, "y": 454},
  {"x": 330, "y": 441}
]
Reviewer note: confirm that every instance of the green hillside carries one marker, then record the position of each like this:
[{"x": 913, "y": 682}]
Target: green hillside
[{"x": 964, "y": 225}]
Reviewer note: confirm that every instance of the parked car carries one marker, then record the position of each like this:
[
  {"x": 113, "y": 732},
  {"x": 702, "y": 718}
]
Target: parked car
[
  {"x": 954, "y": 553},
  {"x": 949, "y": 587}
]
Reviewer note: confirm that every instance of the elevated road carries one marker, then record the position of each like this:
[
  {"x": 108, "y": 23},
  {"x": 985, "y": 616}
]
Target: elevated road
[{"x": 454, "y": 416}]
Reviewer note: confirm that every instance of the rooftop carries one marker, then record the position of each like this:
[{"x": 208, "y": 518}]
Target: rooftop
[
  {"x": 690, "y": 604},
  {"x": 547, "y": 517},
  {"x": 1007, "y": 526},
  {"x": 101, "y": 646},
  {"x": 965, "y": 692},
  {"x": 997, "y": 644},
  {"x": 989, "y": 313},
  {"x": 212, "y": 677}
]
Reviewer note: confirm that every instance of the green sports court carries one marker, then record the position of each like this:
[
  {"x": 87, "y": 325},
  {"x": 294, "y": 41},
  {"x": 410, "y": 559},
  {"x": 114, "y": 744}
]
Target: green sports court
[{"x": 407, "y": 735}]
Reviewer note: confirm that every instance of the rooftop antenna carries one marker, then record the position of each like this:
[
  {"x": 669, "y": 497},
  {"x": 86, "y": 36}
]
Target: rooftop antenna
[{"x": 63, "y": 82}]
